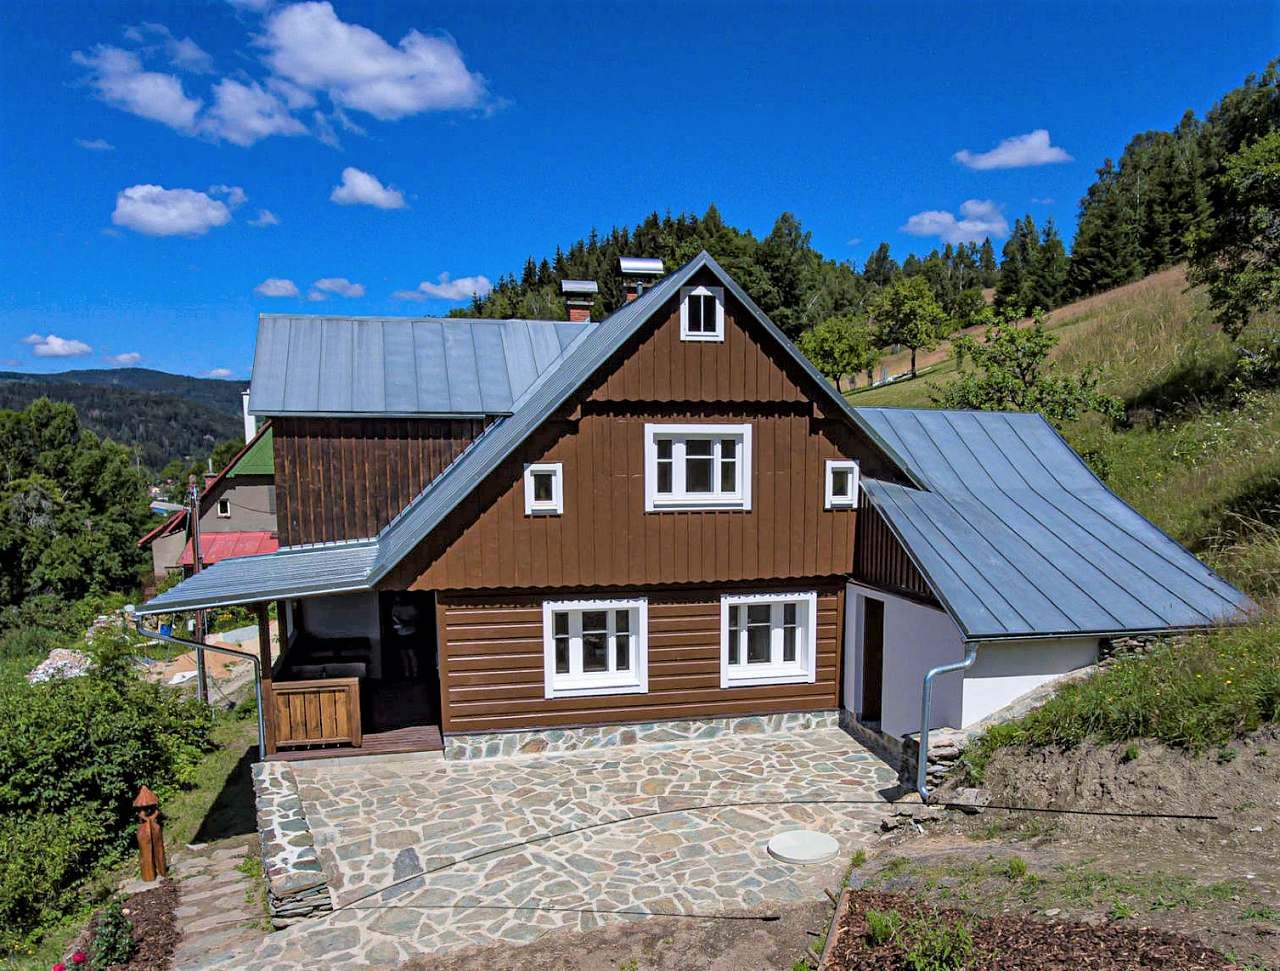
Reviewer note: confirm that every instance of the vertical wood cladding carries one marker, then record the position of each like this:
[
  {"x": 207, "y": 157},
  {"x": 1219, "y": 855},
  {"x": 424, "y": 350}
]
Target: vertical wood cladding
[
  {"x": 492, "y": 664},
  {"x": 346, "y": 478},
  {"x": 880, "y": 561},
  {"x": 605, "y": 537}
]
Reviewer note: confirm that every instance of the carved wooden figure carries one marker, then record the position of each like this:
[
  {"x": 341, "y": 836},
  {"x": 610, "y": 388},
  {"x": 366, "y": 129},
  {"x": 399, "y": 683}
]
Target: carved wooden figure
[{"x": 150, "y": 835}]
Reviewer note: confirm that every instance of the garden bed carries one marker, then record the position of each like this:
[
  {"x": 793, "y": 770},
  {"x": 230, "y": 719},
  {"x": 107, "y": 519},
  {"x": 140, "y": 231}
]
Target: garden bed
[
  {"x": 155, "y": 930},
  {"x": 887, "y": 931}
]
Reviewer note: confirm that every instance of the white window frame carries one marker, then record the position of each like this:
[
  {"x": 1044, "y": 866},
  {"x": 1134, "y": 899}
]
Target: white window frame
[
  {"x": 831, "y": 500},
  {"x": 718, "y": 294},
  {"x": 678, "y": 498},
  {"x": 555, "y": 507},
  {"x": 221, "y": 504},
  {"x": 803, "y": 670},
  {"x": 577, "y": 683}
]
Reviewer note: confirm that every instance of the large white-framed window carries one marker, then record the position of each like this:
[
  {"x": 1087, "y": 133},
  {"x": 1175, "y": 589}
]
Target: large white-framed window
[
  {"x": 595, "y": 647},
  {"x": 841, "y": 490},
  {"x": 544, "y": 489},
  {"x": 768, "y": 638},
  {"x": 697, "y": 467},
  {"x": 702, "y": 313}
]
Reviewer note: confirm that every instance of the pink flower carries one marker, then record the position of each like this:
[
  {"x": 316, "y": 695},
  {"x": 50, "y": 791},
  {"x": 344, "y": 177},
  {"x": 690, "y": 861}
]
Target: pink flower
[
  {"x": 59, "y": 967},
  {"x": 79, "y": 958}
]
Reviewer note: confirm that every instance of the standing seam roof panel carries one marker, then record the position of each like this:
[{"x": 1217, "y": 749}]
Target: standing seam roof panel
[
  {"x": 491, "y": 362},
  {"x": 460, "y": 361},
  {"x": 303, "y": 377},
  {"x": 336, "y": 362},
  {"x": 371, "y": 385},
  {"x": 434, "y": 389}
]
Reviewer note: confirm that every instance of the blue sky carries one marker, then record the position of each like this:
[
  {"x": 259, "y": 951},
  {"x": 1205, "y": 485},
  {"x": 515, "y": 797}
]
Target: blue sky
[{"x": 165, "y": 166}]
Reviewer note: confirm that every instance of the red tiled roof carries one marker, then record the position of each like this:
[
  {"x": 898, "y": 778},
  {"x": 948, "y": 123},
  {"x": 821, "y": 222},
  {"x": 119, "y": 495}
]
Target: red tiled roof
[{"x": 228, "y": 546}]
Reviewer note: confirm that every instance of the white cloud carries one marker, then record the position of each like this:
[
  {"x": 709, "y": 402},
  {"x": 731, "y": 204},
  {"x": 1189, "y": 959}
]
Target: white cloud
[
  {"x": 127, "y": 359},
  {"x": 1041, "y": 201},
  {"x": 853, "y": 241},
  {"x": 95, "y": 144},
  {"x": 184, "y": 54},
  {"x": 308, "y": 44},
  {"x": 315, "y": 296},
  {"x": 156, "y": 211},
  {"x": 265, "y": 217},
  {"x": 235, "y": 195},
  {"x": 120, "y": 81},
  {"x": 445, "y": 289},
  {"x": 218, "y": 372},
  {"x": 274, "y": 286},
  {"x": 361, "y": 188},
  {"x": 247, "y": 113},
  {"x": 51, "y": 345},
  {"x": 255, "y": 6},
  {"x": 979, "y": 218},
  {"x": 340, "y": 285},
  {"x": 1018, "y": 152}
]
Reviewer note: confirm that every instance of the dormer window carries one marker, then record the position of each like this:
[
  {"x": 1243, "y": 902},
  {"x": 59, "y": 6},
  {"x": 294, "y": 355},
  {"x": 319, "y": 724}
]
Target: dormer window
[
  {"x": 702, "y": 314},
  {"x": 544, "y": 489},
  {"x": 842, "y": 484}
]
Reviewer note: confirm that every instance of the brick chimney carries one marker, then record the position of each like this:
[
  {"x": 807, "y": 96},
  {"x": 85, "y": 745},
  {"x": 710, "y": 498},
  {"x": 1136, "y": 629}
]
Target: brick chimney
[
  {"x": 579, "y": 297},
  {"x": 639, "y": 273}
]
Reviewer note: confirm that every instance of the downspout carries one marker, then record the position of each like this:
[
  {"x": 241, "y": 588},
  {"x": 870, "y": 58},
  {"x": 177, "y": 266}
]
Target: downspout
[
  {"x": 257, "y": 670},
  {"x": 926, "y": 702}
]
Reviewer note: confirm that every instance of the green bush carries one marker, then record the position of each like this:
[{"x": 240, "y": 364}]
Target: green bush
[
  {"x": 44, "y": 860},
  {"x": 112, "y": 936},
  {"x": 937, "y": 947},
  {"x": 1197, "y": 692}
]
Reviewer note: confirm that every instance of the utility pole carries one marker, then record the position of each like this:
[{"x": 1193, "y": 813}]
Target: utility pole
[{"x": 193, "y": 492}]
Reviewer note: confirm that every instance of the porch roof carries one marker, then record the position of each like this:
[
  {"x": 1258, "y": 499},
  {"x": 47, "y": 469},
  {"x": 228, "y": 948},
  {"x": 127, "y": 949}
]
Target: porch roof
[
  {"x": 1019, "y": 538},
  {"x": 307, "y": 572}
]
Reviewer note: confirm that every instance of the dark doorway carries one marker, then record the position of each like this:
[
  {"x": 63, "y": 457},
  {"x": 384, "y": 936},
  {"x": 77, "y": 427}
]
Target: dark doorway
[
  {"x": 408, "y": 693},
  {"x": 872, "y": 657}
]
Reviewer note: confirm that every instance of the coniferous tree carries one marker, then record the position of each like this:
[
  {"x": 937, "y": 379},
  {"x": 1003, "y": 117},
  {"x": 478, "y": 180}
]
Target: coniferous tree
[{"x": 880, "y": 267}]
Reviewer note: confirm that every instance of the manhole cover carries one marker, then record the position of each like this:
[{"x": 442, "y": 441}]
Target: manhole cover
[{"x": 803, "y": 846}]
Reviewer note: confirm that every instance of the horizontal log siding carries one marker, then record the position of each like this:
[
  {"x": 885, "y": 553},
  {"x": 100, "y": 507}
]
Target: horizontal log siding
[
  {"x": 346, "y": 478},
  {"x": 605, "y": 537},
  {"x": 492, "y": 664},
  {"x": 880, "y": 561}
]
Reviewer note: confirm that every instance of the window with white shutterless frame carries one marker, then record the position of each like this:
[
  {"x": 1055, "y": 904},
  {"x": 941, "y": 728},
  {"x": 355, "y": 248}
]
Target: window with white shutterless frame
[
  {"x": 697, "y": 467},
  {"x": 702, "y": 313},
  {"x": 768, "y": 638},
  {"x": 841, "y": 489},
  {"x": 544, "y": 489},
  {"x": 224, "y": 508},
  {"x": 595, "y": 647}
]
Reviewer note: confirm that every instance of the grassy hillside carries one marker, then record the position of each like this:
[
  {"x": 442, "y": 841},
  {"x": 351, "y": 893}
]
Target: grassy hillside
[{"x": 1200, "y": 463}]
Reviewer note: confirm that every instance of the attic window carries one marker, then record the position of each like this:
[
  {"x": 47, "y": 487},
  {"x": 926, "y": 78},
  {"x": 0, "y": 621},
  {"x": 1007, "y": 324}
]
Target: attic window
[
  {"x": 702, "y": 313},
  {"x": 842, "y": 485},
  {"x": 544, "y": 489},
  {"x": 224, "y": 508},
  {"x": 697, "y": 467}
]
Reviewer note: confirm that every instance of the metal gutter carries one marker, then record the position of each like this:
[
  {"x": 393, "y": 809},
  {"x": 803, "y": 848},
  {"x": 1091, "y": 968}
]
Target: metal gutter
[
  {"x": 257, "y": 669},
  {"x": 926, "y": 702}
]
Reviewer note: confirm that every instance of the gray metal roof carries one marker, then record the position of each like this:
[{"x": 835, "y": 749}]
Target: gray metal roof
[
  {"x": 401, "y": 365},
  {"x": 640, "y": 266},
  {"x": 579, "y": 286},
  {"x": 1018, "y": 537},
  {"x": 312, "y": 571}
]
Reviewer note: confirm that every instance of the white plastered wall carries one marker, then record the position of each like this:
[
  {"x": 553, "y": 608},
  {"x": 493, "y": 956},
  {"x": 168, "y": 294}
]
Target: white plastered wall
[{"x": 1006, "y": 670}]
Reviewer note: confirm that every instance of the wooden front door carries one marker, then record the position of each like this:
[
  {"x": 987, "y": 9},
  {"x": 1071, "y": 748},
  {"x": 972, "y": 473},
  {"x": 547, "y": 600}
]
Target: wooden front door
[{"x": 872, "y": 657}]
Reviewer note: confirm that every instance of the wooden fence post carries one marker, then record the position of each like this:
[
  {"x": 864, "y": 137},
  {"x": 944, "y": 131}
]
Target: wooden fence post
[{"x": 150, "y": 836}]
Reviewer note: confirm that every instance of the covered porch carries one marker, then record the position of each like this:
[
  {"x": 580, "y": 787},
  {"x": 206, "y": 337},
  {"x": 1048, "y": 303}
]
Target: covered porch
[{"x": 352, "y": 670}]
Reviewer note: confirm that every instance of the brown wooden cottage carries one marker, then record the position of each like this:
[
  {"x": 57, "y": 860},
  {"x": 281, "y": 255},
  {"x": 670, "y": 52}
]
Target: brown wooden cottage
[{"x": 492, "y": 531}]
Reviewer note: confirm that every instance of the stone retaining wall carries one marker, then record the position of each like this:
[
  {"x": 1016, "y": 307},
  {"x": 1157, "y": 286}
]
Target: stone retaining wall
[
  {"x": 506, "y": 744},
  {"x": 296, "y": 883}
]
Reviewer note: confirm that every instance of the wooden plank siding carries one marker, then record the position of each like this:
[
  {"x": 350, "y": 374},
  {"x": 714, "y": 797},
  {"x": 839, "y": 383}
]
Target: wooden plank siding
[
  {"x": 346, "y": 478},
  {"x": 879, "y": 560},
  {"x": 492, "y": 660}
]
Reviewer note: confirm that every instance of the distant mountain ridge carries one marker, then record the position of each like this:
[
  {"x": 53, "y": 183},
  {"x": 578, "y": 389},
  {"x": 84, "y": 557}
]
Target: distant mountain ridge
[{"x": 159, "y": 416}]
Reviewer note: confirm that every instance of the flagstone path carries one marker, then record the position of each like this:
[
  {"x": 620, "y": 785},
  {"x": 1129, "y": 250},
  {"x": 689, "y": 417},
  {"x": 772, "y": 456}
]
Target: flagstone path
[{"x": 425, "y": 856}]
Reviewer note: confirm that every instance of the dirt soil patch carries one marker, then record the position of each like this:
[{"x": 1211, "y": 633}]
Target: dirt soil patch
[
  {"x": 1216, "y": 880},
  {"x": 657, "y": 944},
  {"x": 155, "y": 931},
  {"x": 1009, "y": 941}
]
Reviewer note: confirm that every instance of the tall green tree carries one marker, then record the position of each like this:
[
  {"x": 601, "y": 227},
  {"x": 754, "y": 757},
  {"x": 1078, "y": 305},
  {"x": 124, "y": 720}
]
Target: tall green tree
[
  {"x": 1009, "y": 371},
  {"x": 1048, "y": 275},
  {"x": 906, "y": 313},
  {"x": 841, "y": 346},
  {"x": 1235, "y": 254},
  {"x": 880, "y": 267}
]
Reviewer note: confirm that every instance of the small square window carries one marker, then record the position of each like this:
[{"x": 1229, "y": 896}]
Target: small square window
[
  {"x": 544, "y": 489},
  {"x": 702, "y": 314},
  {"x": 842, "y": 484},
  {"x": 224, "y": 508}
]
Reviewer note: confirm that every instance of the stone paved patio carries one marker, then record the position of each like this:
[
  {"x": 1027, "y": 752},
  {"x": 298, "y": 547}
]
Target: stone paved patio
[{"x": 419, "y": 851}]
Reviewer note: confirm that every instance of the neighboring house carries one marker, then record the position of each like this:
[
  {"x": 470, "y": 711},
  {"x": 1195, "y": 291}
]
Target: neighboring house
[
  {"x": 498, "y": 527},
  {"x": 237, "y": 514}
]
